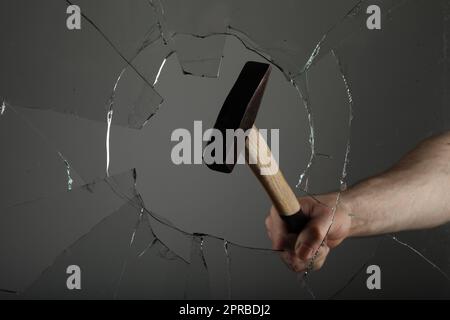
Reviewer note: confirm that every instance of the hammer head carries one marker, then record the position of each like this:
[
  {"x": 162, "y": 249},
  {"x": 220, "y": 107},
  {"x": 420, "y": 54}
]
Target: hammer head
[{"x": 240, "y": 109}]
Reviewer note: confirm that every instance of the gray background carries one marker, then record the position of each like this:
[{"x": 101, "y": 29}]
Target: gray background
[{"x": 399, "y": 83}]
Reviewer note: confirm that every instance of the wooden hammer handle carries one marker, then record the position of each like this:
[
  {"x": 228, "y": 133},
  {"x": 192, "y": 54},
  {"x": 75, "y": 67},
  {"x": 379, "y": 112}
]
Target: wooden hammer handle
[{"x": 265, "y": 168}]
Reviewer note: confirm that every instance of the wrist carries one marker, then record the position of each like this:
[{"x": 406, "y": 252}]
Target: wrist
[
  {"x": 349, "y": 203},
  {"x": 358, "y": 202}
]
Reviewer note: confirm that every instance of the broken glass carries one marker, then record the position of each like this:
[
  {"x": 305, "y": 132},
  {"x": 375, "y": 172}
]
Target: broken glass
[
  {"x": 83, "y": 72},
  {"x": 44, "y": 228},
  {"x": 348, "y": 101}
]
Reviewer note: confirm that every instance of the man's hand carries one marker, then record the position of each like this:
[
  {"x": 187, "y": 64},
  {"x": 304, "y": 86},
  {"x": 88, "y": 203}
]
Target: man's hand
[
  {"x": 317, "y": 238},
  {"x": 412, "y": 195}
]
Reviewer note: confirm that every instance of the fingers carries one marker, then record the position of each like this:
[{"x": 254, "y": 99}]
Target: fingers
[
  {"x": 312, "y": 237},
  {"x": 310, "y": 248},
  {"x": 304, "y": 245},
  {"x": 298, "y": 265},
  {"x": 277, "y": 232},
  {"x": 321, "y": 257}
]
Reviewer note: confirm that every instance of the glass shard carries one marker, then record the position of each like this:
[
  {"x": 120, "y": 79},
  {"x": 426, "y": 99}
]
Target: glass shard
[
  {"x": 35, "y": 233},
  {"x": 70, "y": 71}
]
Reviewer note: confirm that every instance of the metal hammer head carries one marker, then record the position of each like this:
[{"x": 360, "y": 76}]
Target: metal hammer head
[{"x": 240, "y": 108}]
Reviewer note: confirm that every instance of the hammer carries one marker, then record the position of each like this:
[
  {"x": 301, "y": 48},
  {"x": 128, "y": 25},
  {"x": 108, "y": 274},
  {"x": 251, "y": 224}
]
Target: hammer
[{"x": 239, "y": 111}]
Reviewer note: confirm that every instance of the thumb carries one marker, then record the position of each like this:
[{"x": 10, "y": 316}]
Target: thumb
[{"x": 311, "y": 238}]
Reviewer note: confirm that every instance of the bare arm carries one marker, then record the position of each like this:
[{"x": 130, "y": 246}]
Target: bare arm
[{"x": 414, "y": 194}]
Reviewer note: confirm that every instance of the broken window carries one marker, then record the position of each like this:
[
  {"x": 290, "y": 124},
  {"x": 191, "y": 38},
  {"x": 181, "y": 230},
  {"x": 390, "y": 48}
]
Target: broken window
[{"x": 86, "y": 120}]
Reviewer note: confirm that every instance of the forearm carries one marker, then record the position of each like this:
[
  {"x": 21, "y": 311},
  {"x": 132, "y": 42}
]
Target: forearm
[{"x": 414, "y": 194}]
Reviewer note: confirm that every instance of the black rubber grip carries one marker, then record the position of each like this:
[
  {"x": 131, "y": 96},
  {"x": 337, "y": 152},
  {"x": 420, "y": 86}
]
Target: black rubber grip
[{"x": 296, "y": 222}]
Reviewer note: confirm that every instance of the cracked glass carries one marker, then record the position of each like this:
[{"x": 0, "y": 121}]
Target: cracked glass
[{"x": 85, "y": 126}]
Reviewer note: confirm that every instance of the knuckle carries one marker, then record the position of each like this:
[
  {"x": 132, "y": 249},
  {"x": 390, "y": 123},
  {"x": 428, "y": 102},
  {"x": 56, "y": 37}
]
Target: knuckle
[
  {"x": 273, "y": 212},
  {"x": 267, "y": 222},
  {"x": 318, "y": 264},
  {"x": 317, "y": 233},
  {"x": 297, "y": 268},
  {"x": 278, "y": 243},
  {"x": 302, "y": 265}
]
